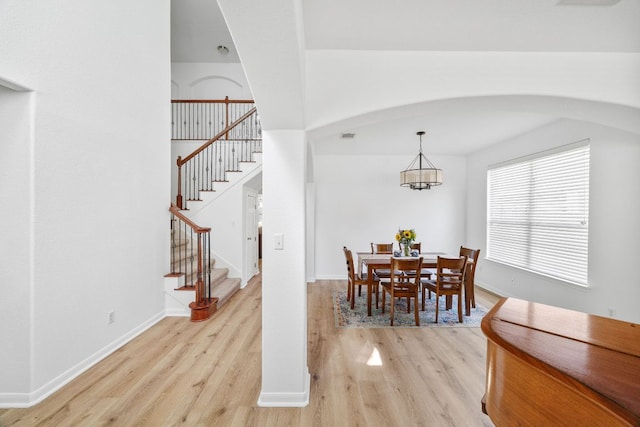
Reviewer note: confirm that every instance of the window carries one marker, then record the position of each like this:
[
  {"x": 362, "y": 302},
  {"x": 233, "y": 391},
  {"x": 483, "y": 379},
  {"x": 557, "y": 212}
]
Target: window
[{"x": 538, "y": 211}]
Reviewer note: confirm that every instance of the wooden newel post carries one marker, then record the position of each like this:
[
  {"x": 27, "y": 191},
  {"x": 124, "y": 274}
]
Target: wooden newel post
[
  {"x": 204, "y": 305},
  {"x": 199, "y": 281},
  {"x": 226, "y": 115},
  {"x": 179, "y": 195}
]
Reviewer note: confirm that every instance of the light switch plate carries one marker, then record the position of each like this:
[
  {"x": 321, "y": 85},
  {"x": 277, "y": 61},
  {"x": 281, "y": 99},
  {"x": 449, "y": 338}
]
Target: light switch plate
[{"x": 279, "y": 241}]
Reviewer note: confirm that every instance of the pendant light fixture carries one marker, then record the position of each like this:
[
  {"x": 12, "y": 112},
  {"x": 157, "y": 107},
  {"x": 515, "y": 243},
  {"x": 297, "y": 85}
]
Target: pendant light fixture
[{"x": 421, "y": 174}]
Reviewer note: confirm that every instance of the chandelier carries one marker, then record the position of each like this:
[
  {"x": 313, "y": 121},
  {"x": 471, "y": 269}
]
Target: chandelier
[{"x": 421, "y": 174}]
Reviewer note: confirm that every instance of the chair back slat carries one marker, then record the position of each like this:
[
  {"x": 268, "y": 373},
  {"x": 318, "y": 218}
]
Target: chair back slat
[
  {"x": 472, "y": 260},
  {"x": 450, "y": 272},
  {"x": 349, "y": 258},
  {"x": 415, "y": 246},
  {"x": 405, "y": 272},
  {"x": 381, "y": 248}
]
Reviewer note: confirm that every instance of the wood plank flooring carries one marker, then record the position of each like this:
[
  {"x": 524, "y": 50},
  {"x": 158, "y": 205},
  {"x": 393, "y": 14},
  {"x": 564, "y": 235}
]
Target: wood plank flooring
[{"x": 209, "y": 374}]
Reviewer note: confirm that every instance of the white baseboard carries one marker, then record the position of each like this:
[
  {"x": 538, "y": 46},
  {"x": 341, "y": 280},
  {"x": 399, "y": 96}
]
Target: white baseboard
[
  {"x": 15, "y": 400},
  {"x": 490, "y": 289},
  {"x": 286, "y": 400},
  {"x": 332, "y": 277},
  {"x": 26, "y": 400},
  {"x": 177, "y": 313}
]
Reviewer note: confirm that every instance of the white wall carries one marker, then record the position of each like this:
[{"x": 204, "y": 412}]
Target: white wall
[
  {"x": 359, "y": 200},
  {"x": 226, "y": 220},
  {"x": 285, "y": 375},
  {"x": 100, "y": 183},
  {"x": 614, "y": 228},
  {"x": 208, "y": 81},
  {"x": 15, "y": 243},
  {"x": 224, "y": 214}
]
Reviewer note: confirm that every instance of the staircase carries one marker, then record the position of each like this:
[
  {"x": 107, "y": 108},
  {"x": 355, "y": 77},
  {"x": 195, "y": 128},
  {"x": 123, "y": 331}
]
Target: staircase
[
  {"x": 198, "y": 284},
  {"x": 180, "y": 287}
]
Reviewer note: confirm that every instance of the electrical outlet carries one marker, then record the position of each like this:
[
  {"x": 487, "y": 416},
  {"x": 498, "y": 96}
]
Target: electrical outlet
[
  {"x": 513, "y": 281},
  {"x": 112, "y": 317}
]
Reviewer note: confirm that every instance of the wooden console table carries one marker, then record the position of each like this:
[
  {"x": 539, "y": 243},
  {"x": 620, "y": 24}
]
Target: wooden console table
[{"x": 552, "y": 366}]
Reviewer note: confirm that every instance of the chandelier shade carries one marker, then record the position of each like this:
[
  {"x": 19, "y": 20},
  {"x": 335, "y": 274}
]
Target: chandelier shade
[{"x": 421, "y": 174}]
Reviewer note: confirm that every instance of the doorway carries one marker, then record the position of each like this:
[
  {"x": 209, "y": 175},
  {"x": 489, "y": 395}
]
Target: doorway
[{"x": 252, "y": 233}]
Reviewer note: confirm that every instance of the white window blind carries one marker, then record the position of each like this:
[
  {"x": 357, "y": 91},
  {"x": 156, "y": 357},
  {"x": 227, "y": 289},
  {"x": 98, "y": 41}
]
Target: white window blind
[{"x": 538, "y": 211}]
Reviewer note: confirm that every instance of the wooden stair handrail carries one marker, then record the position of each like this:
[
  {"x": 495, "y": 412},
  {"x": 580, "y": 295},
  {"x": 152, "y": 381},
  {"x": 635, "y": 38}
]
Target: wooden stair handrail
[
  {"x": 197, "y": 119},
  {"x": 204, "y": 304},
  {"x": 196, "y": 228},
  {"x": 180, "y": 161},
  {"x": 226, "y": 100},
  {"x": 220, "y": 134}
]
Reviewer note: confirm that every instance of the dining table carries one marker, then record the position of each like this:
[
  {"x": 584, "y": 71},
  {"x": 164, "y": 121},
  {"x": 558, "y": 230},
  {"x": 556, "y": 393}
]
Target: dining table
[{"x": 383, "y": 261}]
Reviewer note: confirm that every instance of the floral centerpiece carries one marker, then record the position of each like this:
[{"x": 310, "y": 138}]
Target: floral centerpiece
[{"x": 405, "y": 238}]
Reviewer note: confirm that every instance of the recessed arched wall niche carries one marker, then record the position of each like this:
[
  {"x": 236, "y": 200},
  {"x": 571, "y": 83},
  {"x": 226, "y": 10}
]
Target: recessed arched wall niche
[{"x": 215, "y": 87}]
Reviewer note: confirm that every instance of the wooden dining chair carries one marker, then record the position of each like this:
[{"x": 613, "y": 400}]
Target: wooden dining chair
[
  {"x": 425, "y": 273},
  {"x": 401, "y": 285},
  {"x": 382, "y": 248},
  {"x": 355, "y": 279},
  {"x": 469, "y": 276},
  {"x": 449, "y": 281}
]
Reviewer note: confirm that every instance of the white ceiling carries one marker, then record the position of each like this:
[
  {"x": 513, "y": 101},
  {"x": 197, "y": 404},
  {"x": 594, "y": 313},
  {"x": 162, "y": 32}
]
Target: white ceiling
[
  {"x": 472, "y": 25},
  {"x": 197, "y": 28}
]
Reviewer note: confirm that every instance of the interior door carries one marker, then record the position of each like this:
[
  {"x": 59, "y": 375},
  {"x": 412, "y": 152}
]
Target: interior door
[{"x": 252, "y": 235}]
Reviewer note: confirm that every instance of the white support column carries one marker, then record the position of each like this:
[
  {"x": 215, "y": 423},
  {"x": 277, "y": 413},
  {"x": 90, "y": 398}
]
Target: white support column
[{"x": 285, "y": 374}]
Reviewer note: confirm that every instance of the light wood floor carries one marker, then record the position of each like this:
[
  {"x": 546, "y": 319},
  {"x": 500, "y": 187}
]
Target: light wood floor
[{"x": 208, "y": 374}]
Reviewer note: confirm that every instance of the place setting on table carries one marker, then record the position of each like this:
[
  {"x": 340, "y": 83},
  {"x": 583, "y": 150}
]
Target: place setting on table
[{"x": 454, "y": 279}]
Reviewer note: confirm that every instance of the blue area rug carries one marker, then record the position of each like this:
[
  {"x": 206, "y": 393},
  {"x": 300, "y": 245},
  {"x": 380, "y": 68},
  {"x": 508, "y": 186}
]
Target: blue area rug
[{"x": 357, "y": 318}]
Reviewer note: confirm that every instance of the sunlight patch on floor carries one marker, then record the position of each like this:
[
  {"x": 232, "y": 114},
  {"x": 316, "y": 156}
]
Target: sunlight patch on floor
[{"x": 374, "y": 359}]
